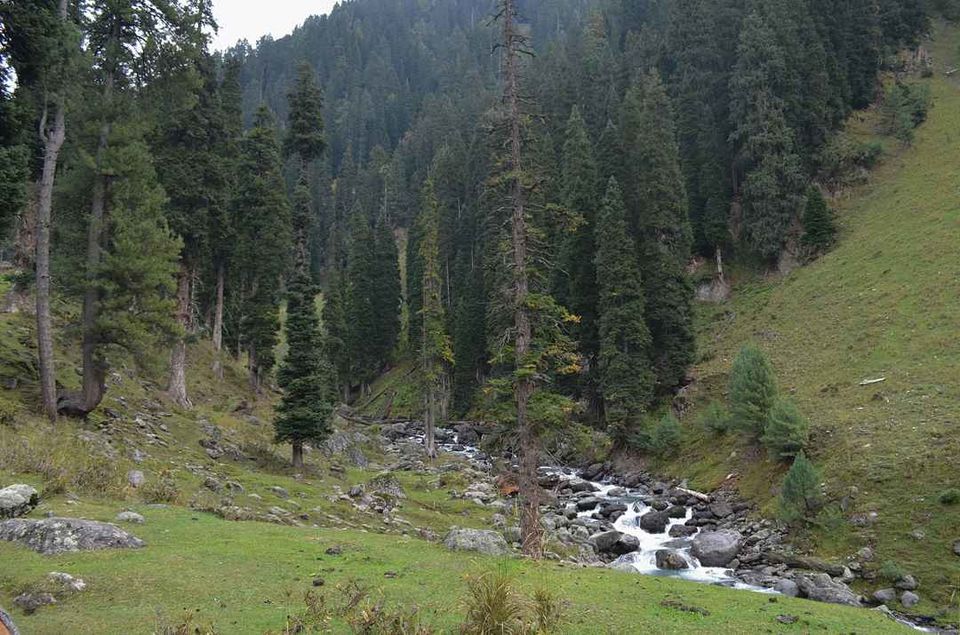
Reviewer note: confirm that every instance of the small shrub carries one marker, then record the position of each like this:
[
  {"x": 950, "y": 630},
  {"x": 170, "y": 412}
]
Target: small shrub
[
  {"x": 163, "y": 489},
  {"x": 753, "y": 390},
  {"x": 716, "y": 418},
  {"x": 667, "y": 436},
  {"x": 495, "y": 606},
  {"x": 891, "y": 571},
  {"x": 905, "y": 107},
  {"x": 186, "y": 625},
  {"x": 949, "y": 497},
  {"x": 800, "y": 497},
  {"x": 787, "y": 430}
]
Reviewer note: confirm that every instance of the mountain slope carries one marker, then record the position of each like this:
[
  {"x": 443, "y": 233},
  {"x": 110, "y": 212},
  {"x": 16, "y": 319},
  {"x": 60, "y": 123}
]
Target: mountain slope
[{"x": 884, "y": 304}]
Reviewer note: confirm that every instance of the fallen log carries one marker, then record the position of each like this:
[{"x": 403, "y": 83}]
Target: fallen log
[
  {"x": 698, "y": 495},
  {"x": 870, "y": 382}
]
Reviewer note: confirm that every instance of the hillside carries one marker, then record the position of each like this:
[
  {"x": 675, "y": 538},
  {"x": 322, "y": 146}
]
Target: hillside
[{"x": 883, "y": 304}]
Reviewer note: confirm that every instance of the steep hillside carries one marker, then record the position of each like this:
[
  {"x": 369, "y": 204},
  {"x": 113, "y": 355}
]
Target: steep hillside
[{"x": 883, "y": 304}]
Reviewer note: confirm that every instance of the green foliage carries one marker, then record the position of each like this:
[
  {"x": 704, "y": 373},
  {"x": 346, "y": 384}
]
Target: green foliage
[
  {"x": 949, "y": 496},
  {"x": 753, "y": 390},
  {"x": 800, "y": 496},
  {"x": 306, "y": 376},
  {"x": 716, "y": 418},
  {"x": 667, "y": 436},
  {"x": 891, "y": 571},
  {"x": 626, "y": 379},
  {"x": 905, "y": 107},
  {"x": 162, "y": 489},
  {"x": 305, "y": 130},
  {"x": 495, "y": 605},
  {"x": 819, "y": 228},
  {"x": 786, "y": 432}
]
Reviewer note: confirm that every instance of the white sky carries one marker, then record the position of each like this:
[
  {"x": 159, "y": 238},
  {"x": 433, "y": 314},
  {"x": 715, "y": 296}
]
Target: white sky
[{"x": 252, "y": 19}]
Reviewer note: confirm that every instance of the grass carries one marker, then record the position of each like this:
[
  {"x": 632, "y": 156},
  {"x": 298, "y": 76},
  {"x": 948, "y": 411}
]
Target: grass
[
  {"x": 884, "y": 303},
  {"x": 248, "y": 577}
]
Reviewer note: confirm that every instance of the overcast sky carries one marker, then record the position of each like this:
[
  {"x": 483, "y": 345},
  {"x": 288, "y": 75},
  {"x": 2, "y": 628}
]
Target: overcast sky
[{"x": 252, "y": 19}]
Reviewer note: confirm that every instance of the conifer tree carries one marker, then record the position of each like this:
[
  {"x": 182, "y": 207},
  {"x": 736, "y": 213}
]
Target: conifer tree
[
  {"x": 753, "y": 390},
  {"x": 786, "y": 430},
  {"x": 337, "y": 332},
  {"x": 305, "y": 376},
  {"x": 263, "y": 226},
  {"x": 774, "y": 182},
  {"x": 819, "y": 228},
  {"x": 435, "y": 350},
  {"x": 386, "y": 298},
  {"x": 657, "y": 208},
  {"x": 363, "y": 338},
  {"x": 800, "y": 496},
  {"x": 625, "y": 370}
]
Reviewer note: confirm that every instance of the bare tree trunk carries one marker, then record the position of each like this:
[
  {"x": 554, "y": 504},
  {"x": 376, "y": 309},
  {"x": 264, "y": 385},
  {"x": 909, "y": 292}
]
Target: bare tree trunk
[
  {"x": 53, "y": 141},
  {"x": 531, "y": 533},
  {"x": 218, "y": 324},
  {"x": 177, "y": 387},
  {"x": 298, "y": 455},
  {"x": 94, "y": 371},
  {"x": 254, "y": 370},
  {"x": 720, "y": 265}
]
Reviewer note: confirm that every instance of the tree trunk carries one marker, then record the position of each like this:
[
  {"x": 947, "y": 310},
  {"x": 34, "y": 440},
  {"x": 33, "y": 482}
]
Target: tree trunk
[
  {"x": 429, "y": 424},
  {"x": 53, "y": 141},
  {"x": 94, "y": 370},
  {"x": 254, "y": 370},
  {"x": 720, "y": 265},
  {"x": 218, "y": 324},
  {"x": 177, "y": 387},
  {"x": 531, "y": 533},
  {"x": 298, "y": 455}
]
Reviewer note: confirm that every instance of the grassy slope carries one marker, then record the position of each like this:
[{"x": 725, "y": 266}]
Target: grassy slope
[{"x": 884, "y": 303}]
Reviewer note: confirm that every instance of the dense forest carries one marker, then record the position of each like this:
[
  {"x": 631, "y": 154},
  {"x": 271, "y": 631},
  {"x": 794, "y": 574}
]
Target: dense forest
[{"x": 511, "y": 193}]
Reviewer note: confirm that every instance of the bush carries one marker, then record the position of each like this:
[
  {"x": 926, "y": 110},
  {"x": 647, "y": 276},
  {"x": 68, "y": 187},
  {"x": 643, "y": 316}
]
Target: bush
[
  {"x": 949, "y": 497},
  {"x": 905, "y": 107},
  {"x": 753, "y": 390},
  {"x": 667, "y": 436},
  {"x": 891, "y": 571},
  {"x": 495, "y": 606},
  {"x": 715, "y": 418},
  {"x": 787, "y": 430},
  {"x": 845, "y": 161},
  {"x": 819, "y": 229},
  {"x": 800, "y": 496},
  {"x": 163, "y": 489}
]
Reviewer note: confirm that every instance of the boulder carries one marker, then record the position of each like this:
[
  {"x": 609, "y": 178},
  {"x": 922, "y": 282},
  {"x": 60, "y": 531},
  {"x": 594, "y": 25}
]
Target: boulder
[
  {"x": 130, "y": 517},
  {"x": 909, "y": 599},
  {"x": 907, "y": 583},
  {"x": 654, "y": 522},
  {"x": 17, "y": 500},
  {"x": 677, "y": 511},
  {"x": 671, "y": 560},
  {"x": 822, "y": 588},
  {"x": 482, "y": 541},
  {"x": 716, "y": 548},
  {"x": 62, "y": 535},
  {"x": 806, "y": 562},
  {"x": 683, "y": 531},
  {"x": 956, "y": 547},
  {"x": 387, "y": 485},
  {"x": 7, "y": 622},
  {"x": 580, "y": 485},
  {"x": 787, "y": 587},
  {"x": 721, "y": 509},
  {"x": 66, "y": 582},
  {"x": 30, "y": 602},
  {"x": 135, "y": 478},
  {"x": 278, "y": 491},
  {"x": 626, "y": 562},
  {"x": 587, "y": 503},
  {"x": 615, "y": 542},
  {"x": 884, "y": 596}
]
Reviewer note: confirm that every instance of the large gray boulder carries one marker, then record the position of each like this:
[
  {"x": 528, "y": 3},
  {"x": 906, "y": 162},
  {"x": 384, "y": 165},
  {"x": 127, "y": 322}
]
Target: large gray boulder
[
  {"x": 7, "y": 622},
  {"x": 716, "y": 548},
  {"x": 822, "y": 588},
  {"x": 482, "y": 541},
  {"x": 626, "y": 563},
  {"x": 615, "y": 542},
  {"x": 62, "y": 535},
  {"x": 17, "y": 500},
  {"x": 671, "y": 560},
  {"x": 654, "y": 522}
]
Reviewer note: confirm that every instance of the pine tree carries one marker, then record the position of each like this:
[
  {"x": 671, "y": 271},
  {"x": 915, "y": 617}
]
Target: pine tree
[
  {"x": 786, "y": 431},
  {"x": 774, "y": 182},
  {"x": 800, "y": 495},
  {"x": 363, "y": 340},
  {"x": 753, "y": 390},
  {"x": 819, "y": 229},
  {"x": 625, "y": 370},
  {"x": 667, "y": 436},
  {"x": 337, "y": 332},
  {"x": 657, "y": 207},
  {"x": 264, "y": 234},
  {"x": 386, "y": 298},
  {"x": 435, "y": 351},
  {"x": 306, "y": 377}
]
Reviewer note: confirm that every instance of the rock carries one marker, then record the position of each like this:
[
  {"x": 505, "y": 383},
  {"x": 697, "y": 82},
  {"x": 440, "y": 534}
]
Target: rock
[
  {"x": 579, "y": 485},
  {"x": 721, "y": 509},
  {"x": 671, "y": 560},
  {"x": 865, "y": 554},
  {"x": 62, "y": 535},
  {"x": 318, "y": 582},
  {"x": 884, "y": 596},
  {"x": 654, "y": 522},
  {"x": 30, "y": 602},
  {"x": 67, "y": 582},
  {"x": 385, "y": 484},
  {"x": 787, "y": 619},
  {"x": 587, "y": 503},
  {"x": 213, "y": 484},
  {"x": 482, "y": 541},
  {"x": 7, "y": 622},
  {"x": 806, "y": 562},
  {"x": 956, "y": 547},
  {"x": 356, "y": 491},
  {"x": 683, "y": 531},
  {"x": 918, "y": 535},
  {"x": 626, "y": 562},
  {"x": 822, "y": 588},
  {"x": 234, "y": 487},
  {"x": 279, "y": 491},
  {"x": 511, "y": 534},
  {"x": 135, "y": 478},
  {"x": 909, "y": 599},
  {"x": 615, "y": 542},
  {"x": 17, "y": 500},
  {"x": 677, "y": 511},
  {"x": 787, "y": 587},
  {"x": 716, "y": 548},
  {"x": 130, "y": 517},
  {"x": 907, "y": 583}
]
